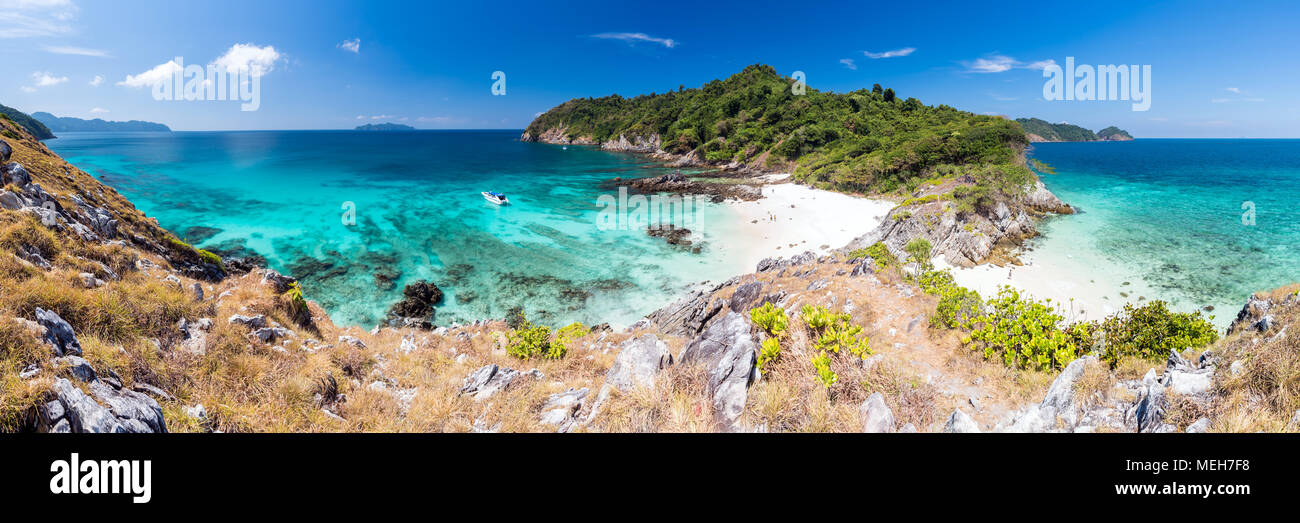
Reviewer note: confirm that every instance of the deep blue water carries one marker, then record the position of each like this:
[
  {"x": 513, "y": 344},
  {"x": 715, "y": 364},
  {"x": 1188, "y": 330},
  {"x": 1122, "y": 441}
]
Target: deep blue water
[
  {"x": 1169, "y": 212},
  {"x": 418, "y": 215}
]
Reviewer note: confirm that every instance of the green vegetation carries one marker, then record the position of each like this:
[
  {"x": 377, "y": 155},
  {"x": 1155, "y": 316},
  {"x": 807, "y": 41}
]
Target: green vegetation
[
  {"x": 957, "y": 307},
  {"x": 1064, "y": 132},
  {"x": 32, "y": 125},
  {"x": 832, "y": 332},
  {"x": 1060, "y": 132},
  {"x": 878, "y": 252},
  {"x": 1027, "y": 333},
  {"x": 1114, "y": 133},
  {"x": 919, "y": 250},
  {"x": 1151, "y": 331},
  {"x": 769, "y": 351},
  {"x": 770, "y": 318},
  {"x": 536, "y": 341},
  {"x": 863, "y": 141},
  {"x": 296, "y": 305}
]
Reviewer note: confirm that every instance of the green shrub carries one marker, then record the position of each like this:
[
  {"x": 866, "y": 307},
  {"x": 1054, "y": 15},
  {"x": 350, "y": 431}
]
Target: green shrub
[
  {"x": 564, "y": 337},
  {"x": 878, "y": 252},
  {"x": 822, "y": 364},
  {"x": 529, "y": 341},
  {"x": 1025, "y": 333},
  {"x": 296, "y": 304},
  {"x": 919, "y": 249},
  {"x": 957, "y": 305},
  {"x": 770, "y": 318},
  {"x": 769, "y": 352},
  {"x": 1152, "y": 331}
]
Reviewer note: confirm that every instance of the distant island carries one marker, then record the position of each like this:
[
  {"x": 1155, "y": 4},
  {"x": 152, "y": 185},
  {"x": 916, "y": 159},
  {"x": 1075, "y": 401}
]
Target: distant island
[
  {"x": 1042, "y": 131},
  {"x": 29, "y": 124},
  {"x": 68, "y": 124},
  {"x": 384, "y": 127}
]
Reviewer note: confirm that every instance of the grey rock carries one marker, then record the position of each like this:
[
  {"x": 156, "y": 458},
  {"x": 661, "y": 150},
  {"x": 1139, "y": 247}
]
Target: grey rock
[
  {"x": 728, "y": 349},
  {"x": 252, "y": 322},
  {"x": 29, "y": 372},
  {"x": 270, "y": 334},
  {"x": 877, "y": 418},
  {"x": 157, "y": 393},
  {"x": 14, "y": 173},
  {"x": 76, "y": 366},
  {"x": 638, "y": 362},
  {"x": 353, "y": 341},
  {"x": 5, "y": 151},
  {"x": 129, "y": 405},
  {"x": 488, "y": 380},
  {"x": 58, "y": 333},
  {"x": 198, "y": 291},
  {"x": 744, "y": 296},
  {"x": 10, "y": 201},
  {"x": 83, "y": 413},
  {"x": 961, "y": 423},
  {"x": 1199, "y": 426},
  {"x": 1151, "y": 409},
  {"x": 908, "y": 429},
  {"x": 561, "y": 408}
]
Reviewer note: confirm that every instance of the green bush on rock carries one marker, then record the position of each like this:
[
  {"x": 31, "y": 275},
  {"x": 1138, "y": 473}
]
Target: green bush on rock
[{"x": 1151, "y": 331}]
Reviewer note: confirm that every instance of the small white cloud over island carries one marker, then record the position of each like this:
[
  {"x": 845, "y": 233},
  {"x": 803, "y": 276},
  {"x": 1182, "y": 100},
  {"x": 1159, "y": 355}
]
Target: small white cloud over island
[
  {"x": 45, "y": 79},
  {"x": 353, "y": 45},
  {"x": 632, "y": 38},
  {"x": 159, "y": 74},
  {"x": 99, "y": 110}
]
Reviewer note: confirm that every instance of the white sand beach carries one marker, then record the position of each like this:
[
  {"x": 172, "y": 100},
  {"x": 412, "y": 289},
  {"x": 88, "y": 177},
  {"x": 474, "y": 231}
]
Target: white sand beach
[
  {"x": 1082, "y": 286},
  {"x": 793, "y": 218}
]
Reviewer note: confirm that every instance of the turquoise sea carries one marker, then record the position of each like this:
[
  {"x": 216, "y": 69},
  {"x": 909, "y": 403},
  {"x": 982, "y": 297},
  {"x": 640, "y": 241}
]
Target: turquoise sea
[
  {"x": 418, "y": 215},
  {"x": 1164, "y": 213},
  {"x": 1169, "y": 213}
]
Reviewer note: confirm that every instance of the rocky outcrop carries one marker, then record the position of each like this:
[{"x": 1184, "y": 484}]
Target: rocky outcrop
[
  {"x": 877, "y": 418},
  {"x": 961, "y": 423},
  {"x": 417, "y": 306},
  {"x": 729, "y": 351},
  {"x": 638, "y": 363},
  {"x": 491, "y": 379}
]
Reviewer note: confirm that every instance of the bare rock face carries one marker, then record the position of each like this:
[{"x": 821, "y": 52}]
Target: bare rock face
[
  {"x": 638, "y": 363},
  {"x": 729, "y": 351},
  {"x": 58, "y": 333},
  {"x": 961, "y": 423},
  {"x": 687, "y": 316},
  {"x": 636, "y": 144},
  {"x": 877, "y": 418}
]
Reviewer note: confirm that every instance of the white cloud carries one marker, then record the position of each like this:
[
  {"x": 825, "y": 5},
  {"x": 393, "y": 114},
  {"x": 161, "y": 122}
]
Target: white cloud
[
  {"x": 637, "y": 37},
  {"x": 248, "y": 57},
  {"x": 159, "y": 74},
  {"x": 35, "y": 18},
  {"x": 98, "y": 79},
  {"x": 1235, "y": 90},
  {"x": 99, "y": 110},
  {"x": 27, "y": 89},
  {"x": 45, "y": 79},
  {"x": 381, "y": 117},
  {"x": 436, "y": 119},
  {"x": 848, "y": 62},
  {"x": 1040, "y": 65},
  {"x": 890, "y": 54},
  {"x": 992, "y": 64},
  {"x": 1001, "y": 63},
  {"x": 79, "y": 51},
  {"x": 353, "y": 45}
]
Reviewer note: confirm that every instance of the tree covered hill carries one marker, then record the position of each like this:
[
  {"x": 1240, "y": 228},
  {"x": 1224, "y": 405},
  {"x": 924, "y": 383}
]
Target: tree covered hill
[
  {"x": 868, "y": 140},
  {"x": 1044, "y": 131},
  {"x": 67, "y": 124},
  {"x": 31, "y": 125}
]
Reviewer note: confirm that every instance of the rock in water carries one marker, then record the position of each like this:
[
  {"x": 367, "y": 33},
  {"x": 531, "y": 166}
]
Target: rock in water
[
  {"x": 876, "y": 416},
  {"x": 417, "y": 304}
]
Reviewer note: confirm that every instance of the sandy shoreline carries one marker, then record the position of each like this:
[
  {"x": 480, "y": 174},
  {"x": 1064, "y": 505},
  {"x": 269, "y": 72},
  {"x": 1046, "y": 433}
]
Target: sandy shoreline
[{"x": 791, "y": 218}]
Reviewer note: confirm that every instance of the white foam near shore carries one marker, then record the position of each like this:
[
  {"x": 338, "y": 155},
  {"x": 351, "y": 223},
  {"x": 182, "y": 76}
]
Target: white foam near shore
[{"x": 791, "y": 218}]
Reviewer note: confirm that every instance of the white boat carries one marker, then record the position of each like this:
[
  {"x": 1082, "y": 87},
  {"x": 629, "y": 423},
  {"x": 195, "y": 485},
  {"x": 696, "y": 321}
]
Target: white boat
[{"x": 495, "y": 197}]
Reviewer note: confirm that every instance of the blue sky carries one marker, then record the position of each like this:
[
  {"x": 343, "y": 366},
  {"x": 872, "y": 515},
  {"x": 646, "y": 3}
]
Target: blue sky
[{"x": 1216, "y": 71}]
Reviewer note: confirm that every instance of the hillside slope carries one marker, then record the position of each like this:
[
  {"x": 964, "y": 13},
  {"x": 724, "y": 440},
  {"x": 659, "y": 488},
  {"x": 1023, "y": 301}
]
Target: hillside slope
[
  {"x": 31, "y": 125},
  {"x": 1043, "y": 131},
  {"x": 69, "y": 124}
]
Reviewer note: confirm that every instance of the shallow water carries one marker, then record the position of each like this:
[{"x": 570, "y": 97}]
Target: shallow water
[
  {"x": 1169, "y": 213},
  {"x": 418, "y": 215}
]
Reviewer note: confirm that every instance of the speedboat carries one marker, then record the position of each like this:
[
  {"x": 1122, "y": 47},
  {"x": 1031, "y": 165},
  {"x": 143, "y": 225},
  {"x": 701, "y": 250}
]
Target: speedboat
[{"x": 495, "y": 197}]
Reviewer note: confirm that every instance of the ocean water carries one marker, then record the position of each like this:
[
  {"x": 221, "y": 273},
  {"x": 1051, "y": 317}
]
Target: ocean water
[
  {"x": 418, "y": 215},
  {"x": 1167, "y": 215}
]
